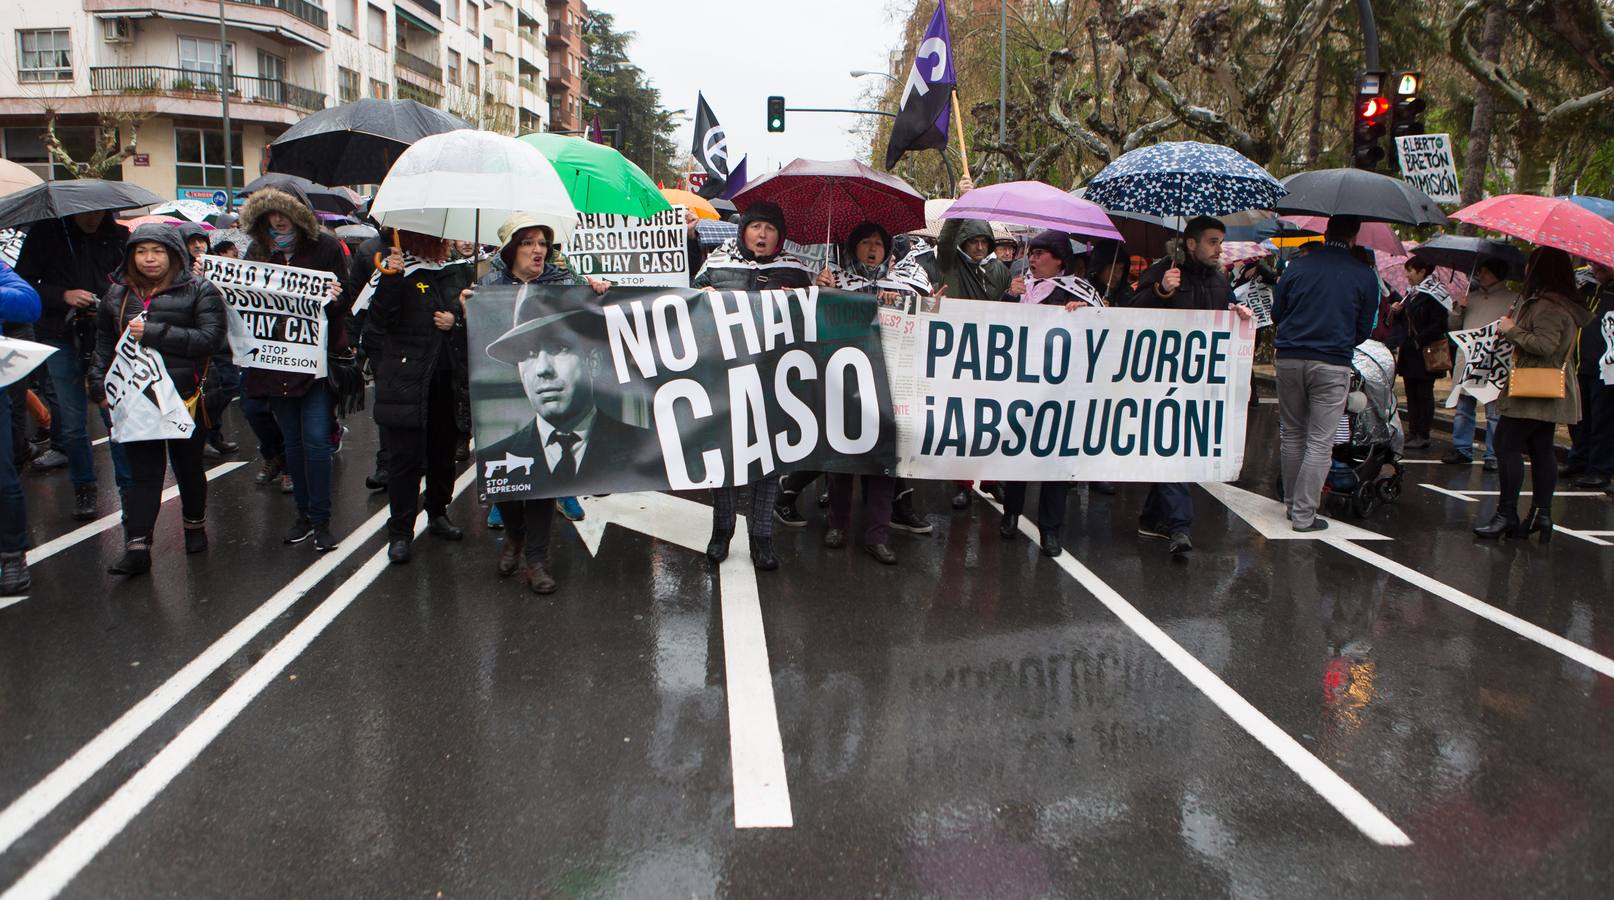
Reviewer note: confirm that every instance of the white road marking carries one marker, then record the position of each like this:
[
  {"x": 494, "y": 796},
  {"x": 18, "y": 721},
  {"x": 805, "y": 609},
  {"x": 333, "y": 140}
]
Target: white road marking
[
  {"x": 99, "y": 441},
  {"x": 1590, "y": 537},
  {"x": 69, "y": 857},
  {"x": 12, "y": 601},
  {"x": 78, "y": 535},
  {"x": 26, "y": 811},
  {"x": 1554, "y": 493},
  {"x": 1266, "y": 516},
  {"x": 1335, "y": 790},
  {"x": 756, "y": 751},
  {"x": 1482, "y": 609}
]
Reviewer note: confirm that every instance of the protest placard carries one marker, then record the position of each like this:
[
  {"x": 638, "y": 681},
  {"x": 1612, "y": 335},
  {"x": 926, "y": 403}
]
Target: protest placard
[
  {"x": 1257, "y": 295},
  {"x": 1427, "y": 164},
  {"x": 1487, "y": 358},
  {"x": 276, "y": 314},
  {"x": 11, "y": 245},
  {"x": 632, "y": 252},
  {"x": 144, "y": 403},
  {"x": 19, "y": 357}
]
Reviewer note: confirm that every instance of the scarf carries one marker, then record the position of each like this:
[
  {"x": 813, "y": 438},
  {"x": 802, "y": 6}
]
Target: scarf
[
  {"x": 1039, "y": 289},
  {"x": 905, "y": 277},
  {"x": 285, "y": 241},
  {"x": 412, "y": 263},
  {"x": 730, "y": 256}
]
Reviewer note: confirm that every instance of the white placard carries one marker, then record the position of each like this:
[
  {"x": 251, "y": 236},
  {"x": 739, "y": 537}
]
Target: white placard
[
  {"x": 145, "y": 404},
  {"x": 1427, "y": 164},
  {"x": 277, "y": 314},
  {"x": 632, "y": 252}
]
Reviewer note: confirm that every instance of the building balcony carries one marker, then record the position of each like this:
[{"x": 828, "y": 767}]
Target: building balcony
[
  {"x": 555, "y": 4},
  {"x": 299, "y": 21},
  {"x": 560, "y": 35},
  {"x": 164, "y": 81},
  {"x": 420, "y": 65}
]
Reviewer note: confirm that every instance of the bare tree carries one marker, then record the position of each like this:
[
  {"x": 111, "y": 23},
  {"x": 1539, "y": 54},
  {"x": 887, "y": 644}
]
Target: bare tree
[
  {"x": 117, "y": 125},
  {"x": 1484, "y": 118}
]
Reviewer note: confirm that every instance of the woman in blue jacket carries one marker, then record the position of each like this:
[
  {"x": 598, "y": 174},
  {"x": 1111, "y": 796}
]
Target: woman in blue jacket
[{"x": 19, "y": 303}]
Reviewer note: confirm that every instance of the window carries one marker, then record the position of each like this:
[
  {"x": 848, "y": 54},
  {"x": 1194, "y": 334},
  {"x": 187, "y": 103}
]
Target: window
[
  {"x": 345, "y": 14},
  {"x": 199, "y": 58},
  {"x": 200, "y": 156},
  {"x": 44, "y": 56},
  {"x": 453, "y": 67},
  {"x": 272, "y": 78},
  {"x": 378, "y": 89},
  {"x": 473, "y": 76},
  {"x": 473, "y": 18},
  {"x": 451, "y": 10},
  {"x": 375, "y": 28},
  {"x": 347, "y": 84}
]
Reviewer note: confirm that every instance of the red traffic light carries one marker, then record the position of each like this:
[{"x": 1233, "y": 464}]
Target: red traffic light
[{"x": 1374, "y": 107}]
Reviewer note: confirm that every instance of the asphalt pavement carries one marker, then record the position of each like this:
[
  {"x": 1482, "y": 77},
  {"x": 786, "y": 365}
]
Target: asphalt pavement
[{"x": 1397, "y": 709}]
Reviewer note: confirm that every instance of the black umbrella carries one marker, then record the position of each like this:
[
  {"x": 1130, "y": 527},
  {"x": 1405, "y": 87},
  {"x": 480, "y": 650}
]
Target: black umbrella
[
  {"x": 1464, "y": 253},
  {"x": 356, "y": 143},
  {"x": 324, "y": 199},
  {"x": 55, "y": 199},
  {"x": 1358, "y": 192}
]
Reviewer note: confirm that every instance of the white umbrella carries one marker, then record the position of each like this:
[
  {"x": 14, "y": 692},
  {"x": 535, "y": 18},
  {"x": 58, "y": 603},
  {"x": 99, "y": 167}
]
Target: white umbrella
[
  {"x": 192, "y": 210},
  {"x": 462, "y": 185},
  {"x": 15, "y": 177}
]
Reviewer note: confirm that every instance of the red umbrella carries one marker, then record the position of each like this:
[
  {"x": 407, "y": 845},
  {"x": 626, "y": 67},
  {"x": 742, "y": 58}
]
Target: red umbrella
[
  {"x": 831, "y": 198},
  {"x": 1546, "y": 221},
  {"x": 1377, "y": 235}
]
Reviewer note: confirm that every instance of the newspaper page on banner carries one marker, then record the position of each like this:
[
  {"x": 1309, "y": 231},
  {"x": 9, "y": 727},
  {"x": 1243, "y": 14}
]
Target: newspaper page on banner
[
  {"x": 1427, "y": 164},
  {"x": 1257, "y": 295},
  {"x": 145, "y": 404},
  {"x": 11, "y": 245},
  {"x": 1487, "y": 358},
  {"x": 632, "y": 252},
  {"x": 1033, "y": 393},
  {"x": 18, "y": 358},
  {"x": 277, "y": 314}
]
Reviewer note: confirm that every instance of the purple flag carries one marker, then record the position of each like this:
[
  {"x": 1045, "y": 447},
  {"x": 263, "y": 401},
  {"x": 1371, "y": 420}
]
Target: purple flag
[
  {"x": 737, "y": 181},
  {"x": 925, "y": 112}
]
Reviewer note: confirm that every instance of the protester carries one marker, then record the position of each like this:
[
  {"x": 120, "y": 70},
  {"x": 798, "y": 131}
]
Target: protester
[
  {"x": 19, "y": 304},
  {"x": 1487, "y": 300},
  {"x": 754, "y": 261},
  {"x": 1424, "y": 314},
  {"x": 416, "y": 309},
  {"x": 1591, "y": 458},
  {"x": 1189, "y": 277},
  {"x": 226, "y": 248},
  {"x": 525, "y": 247},
  {"x": 285, "y": 231},
  {"x": 1107, "y": 268},
  {"x": 1322, "y": 307},
  {"x": 70, "y": 263},
  {"x": 360, "y": 274},
  {"x": 195, "y": 238},
  {"x": 1006, "y": 248},
  {"x": 162, "y": 305}
]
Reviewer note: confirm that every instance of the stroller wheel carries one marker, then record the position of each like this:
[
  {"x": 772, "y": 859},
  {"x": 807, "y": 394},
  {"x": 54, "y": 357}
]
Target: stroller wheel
[
  {"x": 1364, "y": 501},
  {"x": 1390, "y": 489}
]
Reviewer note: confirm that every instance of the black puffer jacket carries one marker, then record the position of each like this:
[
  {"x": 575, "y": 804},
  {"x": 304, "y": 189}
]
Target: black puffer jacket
[
  {"x": 57, "y": 257},
  {"x": 734, "y": 267},
  {"x": 413, "y": 350},
  {"x": 184, "y": 322}
]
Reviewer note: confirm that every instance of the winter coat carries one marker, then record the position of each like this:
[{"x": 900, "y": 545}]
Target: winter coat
[
  {"x": 56, "y": 257},
  {"x": 1425, "y": 321},
  {"x": 1589, "y": 349},
  {"x": 1390, "y": 329},
  {"x": 316, "y": 250},
  {"x": 964, "y": 278},
  {"x": 185, "y": 322},
  {"x": 1203, "y": 287},
  {"x": 1544, "y": 332},
  {"x": 1323, "y": 306},
  {"x": 413, "y": 350},
  {"x": 731, "y": 267},
  {"x": 19, "y": 302}
]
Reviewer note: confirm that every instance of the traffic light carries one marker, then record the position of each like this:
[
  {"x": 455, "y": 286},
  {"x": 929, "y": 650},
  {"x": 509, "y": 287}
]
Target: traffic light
[
  {"x": 1371, "y": 117},
  {"x": 776, "y": 114},
  {"x": 1406, "y": 113}
]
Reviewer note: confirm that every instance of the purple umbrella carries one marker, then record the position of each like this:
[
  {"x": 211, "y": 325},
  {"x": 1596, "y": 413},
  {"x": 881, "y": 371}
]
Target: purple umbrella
[{"x": 1036, "y": 204}]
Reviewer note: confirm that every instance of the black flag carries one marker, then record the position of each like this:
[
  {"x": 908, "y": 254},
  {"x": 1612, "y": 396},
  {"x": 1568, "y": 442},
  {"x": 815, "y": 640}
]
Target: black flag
[
  {"x": 926, "y": 108},
  {"x": 711, "y": 149}
]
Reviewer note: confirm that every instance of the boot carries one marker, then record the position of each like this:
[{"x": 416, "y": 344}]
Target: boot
[
  {"x": 14, "y": 578},
  {"x": 1009, "y": 528},
  {"x": 510, "y": 555},
  {"x": 398, "y": 551},
  {"x": 717, "y": 549},
  {"x": 440, "y": 526},
  {"x": 136, "y": 559},
  {"x": 1504, "y": 523},
  {"x": 762, "y": 554},
  {"x": 269, "y": 471},
  {"x": 83, "y": 502},
  {"x": 1537, "y": 519},
  {"x": 539, "y": 579},
  {"x": 1049, "y": 542},
  {"x": 195, "y": 536}
]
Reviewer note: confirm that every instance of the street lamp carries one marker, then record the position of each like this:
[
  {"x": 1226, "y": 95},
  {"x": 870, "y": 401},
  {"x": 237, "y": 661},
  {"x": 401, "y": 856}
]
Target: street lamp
[{"x": 859, "y": 73}]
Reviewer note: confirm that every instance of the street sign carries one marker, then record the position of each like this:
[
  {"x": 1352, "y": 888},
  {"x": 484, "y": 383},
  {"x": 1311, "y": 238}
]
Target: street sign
[{"x": 140, "y": 159}]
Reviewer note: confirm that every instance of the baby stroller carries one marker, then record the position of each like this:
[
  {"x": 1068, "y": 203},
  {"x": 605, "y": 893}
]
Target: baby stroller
[{"x": 1367, "y": 466}]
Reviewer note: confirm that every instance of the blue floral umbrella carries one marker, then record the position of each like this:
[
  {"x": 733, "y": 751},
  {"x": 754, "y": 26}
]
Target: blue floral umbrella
[{"x": 1184, "y": 178}]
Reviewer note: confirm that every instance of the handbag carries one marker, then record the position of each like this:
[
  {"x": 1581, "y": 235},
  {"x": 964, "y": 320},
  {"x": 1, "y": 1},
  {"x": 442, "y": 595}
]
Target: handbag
[
  {"x": 1437, "y": 357},
  {"x": 1537, "y": 383}
]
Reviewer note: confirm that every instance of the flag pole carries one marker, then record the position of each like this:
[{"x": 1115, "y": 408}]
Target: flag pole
[{"x": 963, "y": 151}]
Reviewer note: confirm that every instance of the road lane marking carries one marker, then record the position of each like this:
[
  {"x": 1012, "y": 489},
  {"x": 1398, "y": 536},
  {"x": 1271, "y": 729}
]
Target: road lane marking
[
  {"x": 1590, "y": 537},
  {"x": 99, "y": 441},
  {"x": 83, "y": 533},
  {"x": 756, "y": 750},
  {"x": 1266, "y": 516},
  {"x": 27, "y": 810},
  {"x": 69, "y": 857},
  {"x": 1329, "y": 785},
  {"x": 1526, "y": 630},
  {"x": 12, "y": 601}
]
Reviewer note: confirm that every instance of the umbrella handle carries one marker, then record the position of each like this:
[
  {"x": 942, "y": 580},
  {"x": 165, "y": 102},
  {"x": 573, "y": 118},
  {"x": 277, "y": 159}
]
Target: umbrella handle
[{"x": 380, "y": 266}]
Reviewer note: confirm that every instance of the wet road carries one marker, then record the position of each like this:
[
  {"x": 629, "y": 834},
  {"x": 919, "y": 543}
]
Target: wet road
[{"x": 1408, "y": 712}]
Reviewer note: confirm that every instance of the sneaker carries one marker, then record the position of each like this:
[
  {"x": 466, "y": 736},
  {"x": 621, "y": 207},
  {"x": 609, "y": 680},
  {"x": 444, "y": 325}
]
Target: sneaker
[
  {"x": 1456, "y": 458},
  {"x": 1592, "y": 481},
  {"x": 904, "y": 519},
  {"x": 336, "y": 439},
  {"x": 1180, "y": 543},
  {"x": 785, "y": 514},
  {"x": 324, "y": 541},
  {"x": 495, "y": 521},
  {"x": 571, "y": 509},
  {"x": 1153, "y": 530},
  {"x": 211, "y": 452},
  {"x": 376, "y": 481},
  {"x": 83, "y": 502},
  {"x": 50, "y": 459},
  {"x": 269, "y": 470},
  {"x": 1489, "y": 465},
  {"x": 300, "y": 530},
  {"x": 285, "y": 484},
  {"x": 1316, "y": 525}
]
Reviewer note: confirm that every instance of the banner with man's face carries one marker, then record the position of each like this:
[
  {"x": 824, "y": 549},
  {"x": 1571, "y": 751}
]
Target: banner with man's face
[{"x": 665, "y": 388}]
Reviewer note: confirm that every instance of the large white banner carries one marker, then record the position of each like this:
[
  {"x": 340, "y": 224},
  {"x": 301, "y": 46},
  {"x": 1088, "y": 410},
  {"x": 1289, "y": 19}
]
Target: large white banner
[
  {"x": 277, "y": 314},
  {"x": 145, "y": 404},
  {"x": 18, "y": 358},
  {"x": 632, "y": 252},
  {"x": 1032, "y": 393}
]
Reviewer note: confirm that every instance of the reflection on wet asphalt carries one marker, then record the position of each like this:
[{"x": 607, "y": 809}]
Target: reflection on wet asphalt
[{"x": 971, "y": 723}]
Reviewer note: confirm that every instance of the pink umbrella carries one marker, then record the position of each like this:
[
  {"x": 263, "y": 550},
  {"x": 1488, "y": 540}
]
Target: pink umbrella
[
  {"x": 1036, "y": 204},
  {"x": 1546, "y": 221},
  {"x": 1377, "y": 235},
  {"x": 826, "y": 200},
  {"x": 1235, "y": 252}
]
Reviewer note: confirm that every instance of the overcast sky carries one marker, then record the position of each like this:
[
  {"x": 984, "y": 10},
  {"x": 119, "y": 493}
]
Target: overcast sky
[{"x": 739, "y": 54}]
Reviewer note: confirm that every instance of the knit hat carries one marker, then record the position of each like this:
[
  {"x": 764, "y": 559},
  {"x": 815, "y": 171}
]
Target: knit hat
[{"x": 1057, "y": 243}]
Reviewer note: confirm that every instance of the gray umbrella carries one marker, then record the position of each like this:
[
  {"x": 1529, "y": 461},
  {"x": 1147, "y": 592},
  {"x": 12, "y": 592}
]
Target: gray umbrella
[
  {"x": 1358, "y": 192},
  {"x": 1454, "y": 251},
  {"x": 324, "y": 199},
  {"x": 356, "y": 143},
  {"x": 55, "y": 199}
]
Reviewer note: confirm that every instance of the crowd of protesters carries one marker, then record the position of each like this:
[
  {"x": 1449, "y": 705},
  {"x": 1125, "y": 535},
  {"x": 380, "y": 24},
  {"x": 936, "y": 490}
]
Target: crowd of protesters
[{"x": 398, "y": 314}]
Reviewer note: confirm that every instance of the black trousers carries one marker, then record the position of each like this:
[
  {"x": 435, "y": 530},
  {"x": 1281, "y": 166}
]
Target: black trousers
[
  {"x": 1051, "y": 497},
  {"x": 1420, "y": 406},
  {"x": 1514, "y": 438},
  {"x": 529, "y": 521},
  {"x": 429, "y": 451},
  {"x": 148, "y": 462}
]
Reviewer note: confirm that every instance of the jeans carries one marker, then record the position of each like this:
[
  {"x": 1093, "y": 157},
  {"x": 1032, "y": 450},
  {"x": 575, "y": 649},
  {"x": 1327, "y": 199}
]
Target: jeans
[
  {"x": 148, "y": 460},
  {"x": 305, "y": 422},
  {"x": 1593, "y": 438},
  {"x": 1170, "y": 506},
  {"x": 1311, "y": 398},
  {"x": 261, "y": 419},
  {"x": 1514, "y": 438},
  {"x": 67, "y": 379},
  {"x": 13, "y": 515},
  {"x": 530, "y": 522},
  {"x": 877, "y": 493},
  {"x": 1462, "y": 427}
]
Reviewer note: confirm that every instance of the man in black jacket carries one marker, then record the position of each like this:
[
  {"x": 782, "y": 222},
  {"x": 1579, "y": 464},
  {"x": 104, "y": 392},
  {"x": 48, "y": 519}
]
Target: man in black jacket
[
  {"x": 1591, "y": 461},
  {"x": 70, "y": 263}
]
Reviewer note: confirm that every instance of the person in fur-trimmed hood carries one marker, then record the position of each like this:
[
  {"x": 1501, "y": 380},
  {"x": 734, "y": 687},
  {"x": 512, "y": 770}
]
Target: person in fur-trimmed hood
[{"x": 284, "y": 230}]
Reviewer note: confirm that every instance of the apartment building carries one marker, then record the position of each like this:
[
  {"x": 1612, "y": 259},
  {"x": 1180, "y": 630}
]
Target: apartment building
[
  {"x": 567, "y": 93},
  {"x": 154, "y": 67}
]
